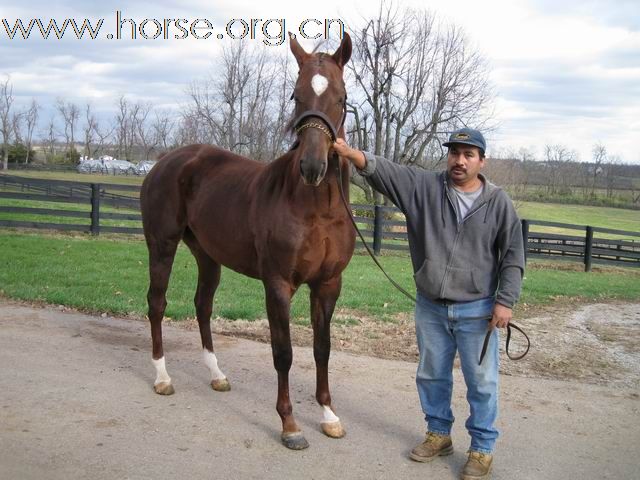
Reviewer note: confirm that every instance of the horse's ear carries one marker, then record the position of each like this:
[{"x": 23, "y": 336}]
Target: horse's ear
[
  {"x": 343, "y": 53},
  {"x": 297, "y": 50}
]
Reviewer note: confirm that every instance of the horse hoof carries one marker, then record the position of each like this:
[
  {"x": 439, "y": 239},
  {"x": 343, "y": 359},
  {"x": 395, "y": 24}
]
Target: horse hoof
[
  {"x": 294, "y": 441},
  {"x": 221, "y": 385},
  {"x": 333, "y": 429},
  {"x": 164, "y": 389}
]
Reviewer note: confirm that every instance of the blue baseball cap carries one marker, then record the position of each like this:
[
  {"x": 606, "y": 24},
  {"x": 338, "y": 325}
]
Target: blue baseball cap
[{"x": 467, "y": 136}]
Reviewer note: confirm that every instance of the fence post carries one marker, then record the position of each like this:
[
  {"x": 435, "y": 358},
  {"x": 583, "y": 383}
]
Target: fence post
[
  {"x": 95, "y": 209},
  {"x": 525, "y": 238},
  {"x": 588, "y": 247},
  {"x": 377, "y": 229}
]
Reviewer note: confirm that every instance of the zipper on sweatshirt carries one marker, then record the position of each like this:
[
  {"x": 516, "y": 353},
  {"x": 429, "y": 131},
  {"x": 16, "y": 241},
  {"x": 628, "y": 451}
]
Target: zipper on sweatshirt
[
  {"x": 448, "y": 269},
  {"x": 469, "y": 215},
  {"x": 453, "y": 249},
  {"x": 453, "y": 205},
  {"x": 459, "y": 230}
]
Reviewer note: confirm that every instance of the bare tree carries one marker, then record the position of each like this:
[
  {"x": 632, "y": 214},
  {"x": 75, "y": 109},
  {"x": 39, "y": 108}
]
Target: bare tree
[
  {"x": 558, "y": 173},
  {"x": 635, "y": 192},
  {"x": 507, "y": 168},
  {"x": 610, "y": 165},
  {"x": 90, "y": 125},
  {"x": 527, "y": 159},
  {"x": 357, "y": 136},
  {"x": 244, "y": 107},
  {"x": 417, "y": 81},
  {"x": 50, "y": 140},
  {"x": 504, "y": 168},
  {"x": 123, "y": 128},
  {"x": 134, "y": 130},
  {"x": 281, "y": 106},
  {"x": 144, "y": 133},
  {"x": 17, "y": 119},
  {"x": 191, "y": 128},
  {"x": 234, "y": 88},
  {"x": 266, "y": 108},
  {"x": 163, "y": 127},
  {"x": 70, "y": 115},
  {"x": 201, "y": 118},
  {"x": 6, "y": 126},
  {"x": 31, "y": 121},
  {"x": 102, "y": 136},
  {"x": 599, "y": 155},
  {"x": 95, "y": 137}
]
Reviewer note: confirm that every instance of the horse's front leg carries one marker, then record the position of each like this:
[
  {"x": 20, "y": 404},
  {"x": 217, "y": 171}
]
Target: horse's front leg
[
  {"x": 278, "y": 295},
  {"x": 323, "y": 300}
]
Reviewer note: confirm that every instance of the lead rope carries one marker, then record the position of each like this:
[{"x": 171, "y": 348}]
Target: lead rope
[
  {"x": 346, "y": 205},
  {"x": 487, "y": 337}
]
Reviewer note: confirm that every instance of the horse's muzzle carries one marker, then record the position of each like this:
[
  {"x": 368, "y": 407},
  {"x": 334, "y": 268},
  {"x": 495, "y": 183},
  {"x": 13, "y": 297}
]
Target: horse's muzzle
[{"x": 313, "y": 171}]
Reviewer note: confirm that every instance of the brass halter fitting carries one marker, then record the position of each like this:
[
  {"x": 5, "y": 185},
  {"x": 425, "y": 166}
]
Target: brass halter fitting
[
  {"x": 325, "y": 125},
  {"x": 319, "y": 126}
]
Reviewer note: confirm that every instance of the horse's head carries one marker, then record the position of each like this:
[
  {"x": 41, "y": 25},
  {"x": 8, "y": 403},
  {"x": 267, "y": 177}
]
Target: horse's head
[{"x": 320, "y": 98}]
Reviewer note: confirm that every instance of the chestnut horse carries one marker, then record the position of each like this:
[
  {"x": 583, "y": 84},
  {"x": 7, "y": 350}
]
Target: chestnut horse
[{"x": 282, "y": 223}]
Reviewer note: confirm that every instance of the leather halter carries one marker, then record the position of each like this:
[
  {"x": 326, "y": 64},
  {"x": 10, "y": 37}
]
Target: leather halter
[{"x": 326, "y": 126}]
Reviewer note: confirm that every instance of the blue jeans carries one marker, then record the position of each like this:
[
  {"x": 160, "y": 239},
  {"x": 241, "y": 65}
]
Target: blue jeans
[{"x": 441, "y": 330}]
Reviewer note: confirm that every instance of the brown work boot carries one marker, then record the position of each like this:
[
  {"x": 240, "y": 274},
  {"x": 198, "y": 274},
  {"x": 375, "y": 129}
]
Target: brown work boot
[
  {"x": 478, "y": 466},
  {"x": 434, "y": 445}
]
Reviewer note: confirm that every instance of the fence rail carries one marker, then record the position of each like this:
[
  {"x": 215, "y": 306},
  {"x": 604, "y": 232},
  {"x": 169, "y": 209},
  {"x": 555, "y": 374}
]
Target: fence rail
[
  {"x": 95, "y": 170},
  {"x": 25, "y": 201}
]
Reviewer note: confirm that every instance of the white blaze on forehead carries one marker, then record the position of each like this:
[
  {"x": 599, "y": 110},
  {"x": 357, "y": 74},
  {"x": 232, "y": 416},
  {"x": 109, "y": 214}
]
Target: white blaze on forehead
[
  {"x": 329, "y": 416},
  {"x": 211, "y": 361},
  {"x": 161, "y": 371},
  {"x": 319, "y": 84}
]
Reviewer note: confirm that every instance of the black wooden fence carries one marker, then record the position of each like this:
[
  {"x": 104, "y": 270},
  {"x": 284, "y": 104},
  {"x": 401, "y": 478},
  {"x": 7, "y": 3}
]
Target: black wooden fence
[
  {"x": 85, "y": 201},
  {"x": 586, "y": 245},
  {"x": 111, "y": 208}
]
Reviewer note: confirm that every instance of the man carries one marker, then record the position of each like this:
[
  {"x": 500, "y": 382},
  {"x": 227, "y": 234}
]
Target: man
[{"x": 466, "y": 248}]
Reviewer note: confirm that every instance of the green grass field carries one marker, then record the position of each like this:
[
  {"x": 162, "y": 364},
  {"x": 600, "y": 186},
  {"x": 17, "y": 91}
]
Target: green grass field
[
  {"x": 110, "y": 275},
  {"x": 614, "y": 218}
]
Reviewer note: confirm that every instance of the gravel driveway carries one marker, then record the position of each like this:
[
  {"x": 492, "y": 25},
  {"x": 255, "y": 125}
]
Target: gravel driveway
[{"x": 77, "y": 402}]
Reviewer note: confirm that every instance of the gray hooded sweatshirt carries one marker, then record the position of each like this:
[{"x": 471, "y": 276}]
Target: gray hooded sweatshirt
[{"x": 478, "y": 257}]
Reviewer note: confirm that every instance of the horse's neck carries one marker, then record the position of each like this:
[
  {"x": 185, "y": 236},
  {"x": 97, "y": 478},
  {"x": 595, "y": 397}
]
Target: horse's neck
[{"x": 284, "y": 176}]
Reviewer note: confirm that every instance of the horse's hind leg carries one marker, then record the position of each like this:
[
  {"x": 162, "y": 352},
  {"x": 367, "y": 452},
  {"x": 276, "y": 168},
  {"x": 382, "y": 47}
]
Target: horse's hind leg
[
  {"x": 208, "y": 281},
  {"x": 161, "y": 255},
  {"x": 323, "y": 300}
]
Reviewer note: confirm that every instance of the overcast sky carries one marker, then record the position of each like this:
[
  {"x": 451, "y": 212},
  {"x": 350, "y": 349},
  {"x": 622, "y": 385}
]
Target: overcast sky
[{"x": 563, "y": 71}]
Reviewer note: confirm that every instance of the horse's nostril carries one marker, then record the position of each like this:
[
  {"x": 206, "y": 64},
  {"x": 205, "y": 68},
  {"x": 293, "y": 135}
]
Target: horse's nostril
[{"x": 312, "y": 171}]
